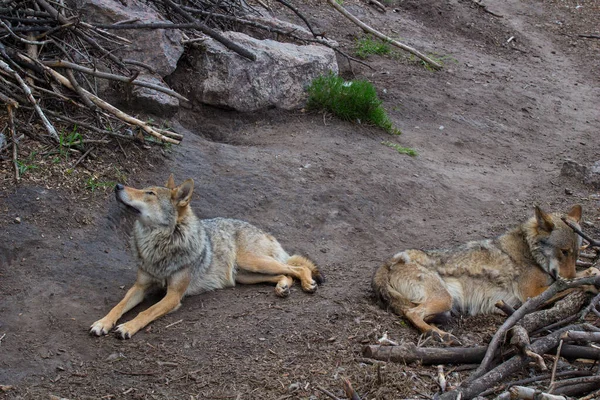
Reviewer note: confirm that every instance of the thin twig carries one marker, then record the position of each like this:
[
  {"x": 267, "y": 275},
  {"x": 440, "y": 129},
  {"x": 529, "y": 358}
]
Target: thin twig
[
  {"x": 593, "y": 243},
  {"x": 327, "y": 393},
  {"x": 551, "y": 385},
  {"x": 13, "y": 135},
  {"x": 47, "y": 124}
]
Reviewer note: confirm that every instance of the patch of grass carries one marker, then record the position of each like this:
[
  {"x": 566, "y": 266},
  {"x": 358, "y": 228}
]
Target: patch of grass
[
  {"x": 400, "y": 149},
  {"x": 66, "y": 140},
  {"x": 349, "y": 100},
  {"x": 93, "y": 183},
  {"x": 367, "y": 46}
]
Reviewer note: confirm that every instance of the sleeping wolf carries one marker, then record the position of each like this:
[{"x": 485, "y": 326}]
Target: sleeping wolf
[
  {"x": 519, "y": 264},
  {"x": 188, "y": 256}
]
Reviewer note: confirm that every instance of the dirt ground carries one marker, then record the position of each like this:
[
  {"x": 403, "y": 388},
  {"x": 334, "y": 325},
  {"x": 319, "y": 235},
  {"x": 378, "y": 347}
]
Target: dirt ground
[{"x": 492, "y": 130}]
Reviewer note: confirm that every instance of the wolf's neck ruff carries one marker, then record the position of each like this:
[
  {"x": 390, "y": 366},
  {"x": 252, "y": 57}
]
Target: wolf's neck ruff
[{"x": 164, "y": 250}]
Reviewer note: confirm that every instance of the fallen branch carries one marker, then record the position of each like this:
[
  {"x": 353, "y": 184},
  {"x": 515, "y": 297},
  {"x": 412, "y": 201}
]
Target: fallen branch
[
  {"x": 472, "y": 388},
  {"x": 380, "y": 35},
  {"x": 13, "y": 135},
  {"x": 409, "y": 353},
  {"x": 47, "y": 124},
  {"x": 210, "y": 32},
  {"x": 174, "y": 138},
  {"x": 106, "y": 75},
  {"x": 506, "y": 308},
  {"x": 593, "y": 243},
  {"x": 589, "y": 36},
  {"x": 522, "y": 392},
  {"x": 526, "y": 308}
]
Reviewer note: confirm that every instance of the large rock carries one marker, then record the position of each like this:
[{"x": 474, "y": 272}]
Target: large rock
[
  {"x": 159, "y": 48},
  {"x": 588, "y": 175},
  {"x": 278, "y": 78},
  {"x": 151, "y": 101}
]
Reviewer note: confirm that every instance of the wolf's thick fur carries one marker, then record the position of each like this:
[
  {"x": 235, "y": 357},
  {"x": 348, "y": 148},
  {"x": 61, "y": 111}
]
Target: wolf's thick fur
[
  {"x": 188, "y": 256},
  {"x": 513, "y": 267}
]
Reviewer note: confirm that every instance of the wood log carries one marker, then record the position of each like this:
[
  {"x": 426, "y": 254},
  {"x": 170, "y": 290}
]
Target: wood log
[
  {"x": 470, "y": 389},
  {"x": 564, "y": 308},
  {"x": 409, "y": 353}
]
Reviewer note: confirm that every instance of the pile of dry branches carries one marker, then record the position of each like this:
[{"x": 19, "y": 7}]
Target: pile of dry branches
[{"x": 566, "y": 332}]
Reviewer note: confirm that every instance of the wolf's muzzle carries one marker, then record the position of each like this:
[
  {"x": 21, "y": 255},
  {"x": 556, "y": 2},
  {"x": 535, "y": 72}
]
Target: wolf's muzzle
[{"x": 119, "y": 187}]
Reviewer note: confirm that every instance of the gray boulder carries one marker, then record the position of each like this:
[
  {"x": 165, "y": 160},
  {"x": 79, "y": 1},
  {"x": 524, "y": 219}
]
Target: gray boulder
[
  {"x": 588, "y": 175},
  {"x": 151, "y": 101},
  {"x": 278, "y": 78}
]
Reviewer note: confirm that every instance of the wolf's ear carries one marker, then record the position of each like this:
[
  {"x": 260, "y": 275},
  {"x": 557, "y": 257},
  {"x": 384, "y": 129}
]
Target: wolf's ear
[
  {"x": 544, "y": 220},
  {"x": 575, "y": 213},
  {"x": 170, "y": 182},
  {"x": 183, "y": 193}
]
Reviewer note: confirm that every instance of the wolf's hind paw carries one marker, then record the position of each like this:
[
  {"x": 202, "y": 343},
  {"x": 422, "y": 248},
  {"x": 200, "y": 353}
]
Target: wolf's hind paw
[
  {"x": 310, "y": 288},
  {"x": 443, "y": 337},
  {"x": 282, "y": 290}
]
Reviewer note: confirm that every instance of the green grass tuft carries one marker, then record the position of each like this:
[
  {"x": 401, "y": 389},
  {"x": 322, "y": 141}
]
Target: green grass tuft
[
  {"x": 367, "y": 46},
  {"x": 400, "y": 149},
  {"x": 349, "y": 100}
]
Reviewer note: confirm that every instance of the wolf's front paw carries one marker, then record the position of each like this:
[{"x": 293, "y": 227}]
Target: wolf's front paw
[
  {"x": 101, "y": 327},
  {"x": 125, "y": 331}
]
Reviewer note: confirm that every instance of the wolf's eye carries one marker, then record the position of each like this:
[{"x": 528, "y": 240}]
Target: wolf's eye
[
  {"x": 151, "y": 193},
  {"x": 565, "y": 253}
]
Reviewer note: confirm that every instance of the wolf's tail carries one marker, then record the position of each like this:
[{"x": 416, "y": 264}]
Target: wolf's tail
[
  {"x": 301, "y": 261},
  {"x": 385, "y": 293}
]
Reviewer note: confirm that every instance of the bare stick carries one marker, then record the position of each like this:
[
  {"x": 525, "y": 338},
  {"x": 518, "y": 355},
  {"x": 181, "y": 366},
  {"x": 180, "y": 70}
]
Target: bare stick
[
  {"x": 47, "y": 124},
  {"x": 593, "y": 243},
  {"x": 210, "y": 32},
  {"x": 157, "y": 133},
  {"x": 470, "y": 389},
  {"x": 83, "y": 157},
  {"x": 521, "y": 392},
  {"x": 328, "y": 393},
  {"x": 526, "y": 308},
  {"x": 551, "y": 385},
  {"x": 409, "y": 352},
  {"x": 106, "y": 75},
  {"x": 377, "y": 4},
  {"x": 589, "y": 36},
  {"x": 506, "y": 308},
  {"x": 299, "y": 14},
  {"x": 380, "y": 35},
  {"x": 577, "y": 335},
  {"x": 13, "y": 135},
  {"x": 79, "y": 90},
  {"x": 19, "y": 38}
]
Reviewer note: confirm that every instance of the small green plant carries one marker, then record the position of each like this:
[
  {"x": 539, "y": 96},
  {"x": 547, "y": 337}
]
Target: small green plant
[
  {"x": 349, "y": 100},
  {"x": 93, "y": 183},
  {"x": 27, "y": 164},
  {"x": 68, "y": 140},
  {"x": 367, "y": 46},
  {"x": 400, "y": 149}
]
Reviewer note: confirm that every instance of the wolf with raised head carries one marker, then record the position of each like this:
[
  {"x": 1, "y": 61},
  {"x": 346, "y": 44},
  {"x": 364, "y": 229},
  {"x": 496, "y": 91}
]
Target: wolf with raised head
[
  {"x": 471, "y": 279},
  {"x": 188, "y": 256}
]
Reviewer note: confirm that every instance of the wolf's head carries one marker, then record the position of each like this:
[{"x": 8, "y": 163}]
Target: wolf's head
[
  {"x": 158, "y": 206},
  {"x": 553, "y": 244}
]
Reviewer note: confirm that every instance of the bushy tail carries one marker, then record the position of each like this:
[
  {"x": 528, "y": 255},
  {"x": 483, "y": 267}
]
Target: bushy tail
[
  {"x": 301, "y": 261},
  {"x": 385, "y": 293}
]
